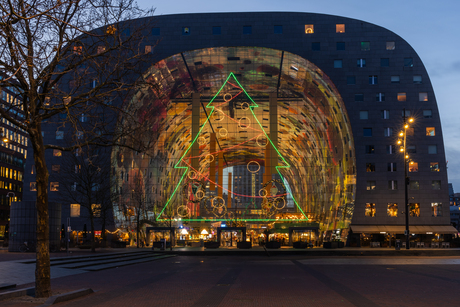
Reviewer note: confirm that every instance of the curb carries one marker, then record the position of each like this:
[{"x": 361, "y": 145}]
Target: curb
[
  {"x": 67, "y": 296},
  {"x": 5, "y": 286},
  {"x": 17, "y": 293}
]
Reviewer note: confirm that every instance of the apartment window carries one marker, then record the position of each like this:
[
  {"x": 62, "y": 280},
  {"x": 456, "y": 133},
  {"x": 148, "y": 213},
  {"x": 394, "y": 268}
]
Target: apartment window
[
  {"x": 59, "y": 135},
  {"x": 394, "y": 79},
  {"x": 361, "y": 63},
  {"x": 55, "y": 168},
  {"x": 54, "y": 186},
  {"x": 338, "y": 63},
  {"x": 247, "y": 29},
  {"x": 363, "y": 114},
  {"x": 392, "y": 185},
  {"x": 365, "y": 46},
  {"x": 277, "y": 29},
  {"x": 96, "y": 209},
  {"x": 414, "y": 185},
  {"x": 359, "y": 97},
  {"x": 217, "y": 30},
  {"x": 401, "y": 96},
  {"x": 340, "y": 45},
  {"x": 369, "y": 149},
  {"x": 367, "y": 131},
  {"x": 408, "y": 62},
  {"x": 370, "y": 167},
  {"x": 434, "y": 166},
  {"x": 309, "y": 29},
  {"x": 385, "y": 114},
  {"x": 186, "y": 31},
  {"x": 436, "y": 184},
  {"x": 432, "y": 149},
  {"x": 390, "y": 46},
  {"x": 422, "y": 96},
  {"x": 390, "y": 149},
  {"x": 79, "y": 135},
  {"x": 414, "y": 209},
  {"x": 411, "y": 149},
  {"x": 370, "y": 185},
  {"x": 373, "y": 79},
  {"x": 430, "y": 131},
  {"x": 405, "y": 113},
  {"x": 73, "y": 187},
  {"x": 392, "y": 210},
  {"x": 340, "y": 28},
  {"x": 74, "y": 210},
  {"x": 316, "y": 46},
  {"x": 66, "y": 100},
  {"x": 100, "y": 49},
  {"x": 156, "y": 31},
  {"x": 369, "y": 210},
  {"x": 392, "y": 167},
  {"x": 384, "y": 62},
  {"x": 436, "y": 209},
  {"x": 351, "y": 80},
  {"x": 413, "y": 167},
  {"x": 57, "y": 153},
  {"x": 387, "y": 131},
  {"x": 33, "y": 186},
  {"x": 417, "y": 79},
  {"x": 427, "y": 114},
  {"x": 380, "y": 97},
  {"x": 77, "y": 168}
]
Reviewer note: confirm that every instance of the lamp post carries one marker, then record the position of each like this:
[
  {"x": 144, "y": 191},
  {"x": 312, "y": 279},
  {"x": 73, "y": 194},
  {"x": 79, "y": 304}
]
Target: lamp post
[{"x": 403, "y": 149}]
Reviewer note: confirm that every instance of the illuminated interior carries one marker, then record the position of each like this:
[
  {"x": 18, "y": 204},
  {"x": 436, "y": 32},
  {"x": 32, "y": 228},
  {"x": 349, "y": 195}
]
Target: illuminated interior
[{"x": 243, "y": 136}]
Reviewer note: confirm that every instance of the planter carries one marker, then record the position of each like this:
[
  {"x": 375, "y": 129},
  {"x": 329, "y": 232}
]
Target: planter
[
  {"x": 299, "y": 244},
  {"x": 211, "y": 244},
  {"x": 273, "y": 244},
  {"x": 244, "y": 245}
]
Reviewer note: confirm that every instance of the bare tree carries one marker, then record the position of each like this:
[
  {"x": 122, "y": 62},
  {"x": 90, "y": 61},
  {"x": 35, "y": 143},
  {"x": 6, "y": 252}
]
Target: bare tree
[{"x": 61, "y": 67}]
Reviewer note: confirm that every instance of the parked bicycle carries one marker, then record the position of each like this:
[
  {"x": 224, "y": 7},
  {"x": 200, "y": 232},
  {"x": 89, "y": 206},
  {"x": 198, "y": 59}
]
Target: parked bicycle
[{"x": 24, "y": 247}]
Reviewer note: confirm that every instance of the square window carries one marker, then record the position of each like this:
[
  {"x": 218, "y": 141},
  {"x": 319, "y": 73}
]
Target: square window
[
  {"x": 432, "y": 149},
  {"x": 430, "y": 131},
  {"x": 394, "y": 79},
  {"x": 392, "y": 210},
  {"x": 59, "y": 135},
  {"x": 278, "y": 29},
  {"x": 340, "y": 28},
  {"x": 390, "y": 149},
  {"x": 351, "y": 80},
  {"x": 359, "y": 97},
  {"x": 74, "y": 210},
  {"x": 370, "y": 185},
  {"x": 436, "y": 184},
  {"x": 414, "y": 210},
  {"x": 422, "y": 96},
  {"x": 427, "y": 114},
  {"x": 216, "y": 30},
  {"x": 147, "y": 49},
  {"x": 402, "y": 97},
  {"x": 57, "y": 153},
  {"x": 411, "y": 149},
  {"x": 367, "y": 131},
  {"x": 340, "y": 45},
  {"x": 387, "y": 131},
  {"x": 405, "y": 113},
  {"x": 186, "y": 31},
  {"x": 417, "y": 79},
  {"x": 436, "y": 209},
  {"x": 380, "y": 97},
  {"x": 413, "y": 167},
  {"x": 369, "y": 210},
  {"x": 338, "y": 63},
  {"x": 33, "y": 186},
  {"x": 247, "y": 29},
  {"x": 414, "y": 185},
  {"x": 369, "y": 149},
  {"x": 385, "y": 114},
  {"x": 390, "y": 46},
  {"x": 156, "y": 31},
  {"x": 370, "y": 167},
  {"x": 408, "y": 62},
  {"x": 392, "y": 167},
  {"x": 365, "y": 46},
  {"x": 363, "y": 114},
  {"x": 100, "y": 49},
  {"x": 316, "y": 46},
  {"x": 309, "y": 29},
  {"x": 361, "y": 63},
  {"x": 373, "y": 80},
  {"x": 434, "y": 166},
  {"x": 55, "y": 168},
  {"x": 54, "y": 186},
  {"x": 392, "y": 185},
  {"x": 384, "y": 62}
]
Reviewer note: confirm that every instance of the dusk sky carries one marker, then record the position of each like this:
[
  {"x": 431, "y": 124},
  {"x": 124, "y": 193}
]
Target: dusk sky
[{"x": 429, "y": 27}]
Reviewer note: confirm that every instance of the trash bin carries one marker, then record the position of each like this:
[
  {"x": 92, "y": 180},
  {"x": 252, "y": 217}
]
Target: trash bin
[
  {"x": 398, "y": 245},
  {"x": 163, "y": 244}
]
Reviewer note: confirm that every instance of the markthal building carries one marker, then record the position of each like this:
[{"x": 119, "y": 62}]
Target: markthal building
[{"x": 283, "y": 125}]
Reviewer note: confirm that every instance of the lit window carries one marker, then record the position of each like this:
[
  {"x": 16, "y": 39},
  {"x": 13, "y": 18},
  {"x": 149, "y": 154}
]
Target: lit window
[
  {"x": 370, "y": 167},
  {"x": 100, "y": 49},
  {"x": 422, "y": 96},
  {"x": 370, "y": 185},
  {"x": 392, "y": 167},
  {"x": 387, "y": 131},
  {"x": 436, "y": 184},
  {"x": 380, "y": 97},
  {"x": 96, "y": 208},
  {"x": 361, "y": 63},
  {"x": 432, "y": 149},
  {"x": 413, "y": 167},
  {"x": 247, "y": 29},
  {"x": 373, "y": 80},
  {"x": 186, "y": 31},
  {"x": 147, "y": 49},
  {"x": 408, "y": 62},
  {"x": 367, "y": 131},
  {"x": 402, "y": 97},
  {"x": 427, "y": 114},
  {"x": 351, "y": 80},
  {"x": 414, "y": 185},
  {"x": 359, "y": 97},
  {"x": 33, "y": 186},
  {"x": 365, "y": 46},
  {"x": 74, "y": 210},
  {"x": 156, "y": 31},
  {"x": 57, "y": 153},
  {"x": 392, "y": 210},
  {"x": 434, "y": 166},
  {"x": 436, "y": 209},
  {"x": 363, "y": 114},
  {"x": 340, "y": 28},
  {"x": 340, "y": 45},
  {"x": 277, "y": 29},
  {"x": 111, "y": 30},
  {"x": 394, "y": 79},
  {"x": 392, "y": 185},
  {"x": 59, "y": 135},
  {"x": 77, "y": 49},
  {"x": 338, "y": 64},
  {"x": 384, "y": 62},
  {"x": 390, "y": 45},
  {"x": 414, "y": 209},
  {"x": 55, "y": 168},
  {"x": 54, "y": 186},
  {"x": 67, "y": 100},
  {"x": 430, "y": 131},
  {"x": 309, "y": 29},
  {"x": 369, "y": 210},
  {"x": 385, "y": 114},
  {"x": 316, "y": 46},
  {"x": 417, "y": 79}
]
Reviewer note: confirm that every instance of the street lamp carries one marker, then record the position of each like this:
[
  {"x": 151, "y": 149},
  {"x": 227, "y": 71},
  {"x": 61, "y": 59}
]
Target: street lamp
[{"x": 403, "y": 149}]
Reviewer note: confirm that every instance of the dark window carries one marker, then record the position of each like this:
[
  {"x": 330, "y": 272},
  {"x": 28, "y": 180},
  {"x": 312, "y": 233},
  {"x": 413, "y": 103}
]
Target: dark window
[
  {"x": 126, "y": 32},
  {"x": 427, "y": 114},
  {"x": 316, "y": 46},
  {"x": 216, "y": 30},
  {"x": 351, "y": 80},
  {"x": 361, "y": 63},
  {"x": 411, "y": 149},
  {"x": 408, "y": 62},
  {"x": 373, "y": 80},
  {"x": 385, "y": 62},
  {"x": 380, "y": 97},
  {"x": 278, "y": 29},
  {"x": 247, "y": 29},
  {"x": 359, "y": 97},
  {"x": 369, "y": 149},
  {"x": 155, "y": 31},
  {"x": 367, "y": 131},
  {"x": 392, "y": 167},
  {"x": 365, "y": 46},
  {"x": 340, "y": 45},
  {"x": 186, "y": 31},
  {"x": 370, "y": 167},
  {"x": 338, "y": 63}
]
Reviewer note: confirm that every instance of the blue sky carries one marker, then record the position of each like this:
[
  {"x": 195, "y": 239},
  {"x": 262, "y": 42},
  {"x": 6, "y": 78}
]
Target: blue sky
[{"x": 430, "y": 27}]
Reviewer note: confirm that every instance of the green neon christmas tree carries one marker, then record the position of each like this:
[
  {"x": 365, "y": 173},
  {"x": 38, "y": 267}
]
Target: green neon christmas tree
[{"x": 193, "y": 182}]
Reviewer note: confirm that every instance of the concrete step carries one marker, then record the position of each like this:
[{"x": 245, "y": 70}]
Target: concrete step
[
  {"x": 98, "y": 258},
  {"x": 91, "y": 262},
  {"x": 125, "y": 263}
]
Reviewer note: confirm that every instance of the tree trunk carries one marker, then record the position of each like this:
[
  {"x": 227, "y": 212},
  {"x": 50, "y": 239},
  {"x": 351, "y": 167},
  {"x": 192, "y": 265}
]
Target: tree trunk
[
  {"x": 93, "y": 241},
  {"x": 138, "y": 229},
  {"x": 42, "y": 268}
]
